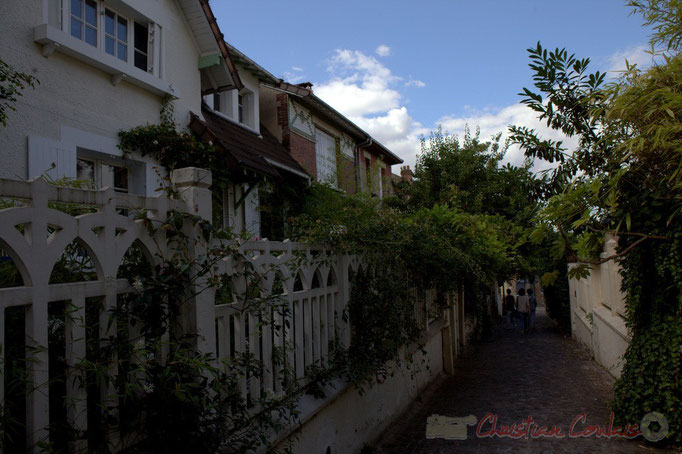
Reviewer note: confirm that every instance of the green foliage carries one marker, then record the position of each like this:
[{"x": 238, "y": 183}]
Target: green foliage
[
  {"x": 12, "y": 83},
  {"x": 650, "y": 377},
  {"x": 664, "y": 16},
  {"x": 169, "y": 396},
  {"x": 173, "y": 149},
  {"x": 463, "y": 223},
  {"x": 624, "y": 179}
]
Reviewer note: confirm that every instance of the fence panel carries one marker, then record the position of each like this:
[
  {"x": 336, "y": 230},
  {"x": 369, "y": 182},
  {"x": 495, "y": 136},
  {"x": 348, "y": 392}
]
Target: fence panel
[{"x": 303, "y": 291}]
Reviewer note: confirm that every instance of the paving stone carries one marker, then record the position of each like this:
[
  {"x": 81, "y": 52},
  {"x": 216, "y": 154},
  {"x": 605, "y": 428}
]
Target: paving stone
[{"x": 545, "y": 374}]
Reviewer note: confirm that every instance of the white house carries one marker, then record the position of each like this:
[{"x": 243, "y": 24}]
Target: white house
[
  {"x": 231, "y": 120},
  {"x": 104, "y": 66}
]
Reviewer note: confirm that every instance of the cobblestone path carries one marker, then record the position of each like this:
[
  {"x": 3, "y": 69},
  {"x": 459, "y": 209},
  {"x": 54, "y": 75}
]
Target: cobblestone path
[{"x": 544, "y": 375}]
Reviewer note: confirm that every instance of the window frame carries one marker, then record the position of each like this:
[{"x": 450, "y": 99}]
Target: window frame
[
  {"x": 326, "y": 164},
  {"x": 147, "y": 53},
  {"x": 83, "y": 21},
  {"x": 98, "y": 173},
  {"x": 115, "y": 37},
  {"x": 101, "y": 34}
]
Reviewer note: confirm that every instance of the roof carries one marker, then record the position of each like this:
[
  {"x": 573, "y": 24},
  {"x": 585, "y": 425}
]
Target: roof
[
  {"x": 308, "y": 98},
  {"x": 261, "y": 73},
  {"x": 220, "y": 39},
  {"x": 334, "y": 116},
  {"x": 245, "y": 149},
  {"x": 222, "y": 73}
]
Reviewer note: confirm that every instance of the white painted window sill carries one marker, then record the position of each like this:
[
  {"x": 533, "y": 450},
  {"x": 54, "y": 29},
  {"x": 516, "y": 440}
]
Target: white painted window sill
[{"x": 54, "y": 39}]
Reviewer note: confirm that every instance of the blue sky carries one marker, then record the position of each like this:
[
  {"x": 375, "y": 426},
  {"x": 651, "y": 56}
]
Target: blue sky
[{"x": 399, "y": 68}]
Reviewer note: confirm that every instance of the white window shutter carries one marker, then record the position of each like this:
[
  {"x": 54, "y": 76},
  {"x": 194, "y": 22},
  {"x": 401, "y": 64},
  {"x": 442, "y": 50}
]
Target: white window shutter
[
  {"x": 252, "y": 213},
  {"x": 325, "y": 157},
  {"x": 51, "y": 157}
]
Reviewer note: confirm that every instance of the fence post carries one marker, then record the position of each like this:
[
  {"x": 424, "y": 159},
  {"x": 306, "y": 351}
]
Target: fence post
[{"x": 199, "y": 316}]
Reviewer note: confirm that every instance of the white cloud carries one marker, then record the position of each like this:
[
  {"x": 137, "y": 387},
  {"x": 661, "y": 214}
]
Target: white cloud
[
  {"x": 294, "y": 76},
  {"x": 415, "y": 83},
  {"x": 364, "y": 90},
  {"x": 494, "y": 121},
  {"x": 360, "y": 85},
  {"x": 383, "y": 50},
  {"x": 638, "y": 55}
]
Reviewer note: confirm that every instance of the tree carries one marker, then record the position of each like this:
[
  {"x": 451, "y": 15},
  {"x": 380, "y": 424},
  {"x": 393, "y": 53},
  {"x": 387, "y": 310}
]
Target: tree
[
  {"x": 468, "y": 176},
  {"x": 624, "y": 178},
  {"x": 12, "y": 82}
]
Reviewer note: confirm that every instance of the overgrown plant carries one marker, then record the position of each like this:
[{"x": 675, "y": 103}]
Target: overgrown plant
[
  {"x": 624, "y": 179},
  {"x": 12, "y": 83}
]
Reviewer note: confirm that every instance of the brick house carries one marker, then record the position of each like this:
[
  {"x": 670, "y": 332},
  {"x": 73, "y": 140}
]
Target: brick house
[{"x": 328, "y": 145}]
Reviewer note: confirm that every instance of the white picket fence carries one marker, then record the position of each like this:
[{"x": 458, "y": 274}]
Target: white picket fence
[{"x": 34, "y": 235}]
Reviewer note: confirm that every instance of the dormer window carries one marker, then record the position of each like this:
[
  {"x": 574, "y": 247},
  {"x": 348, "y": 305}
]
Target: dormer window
[
  {"x": 245, "y": 109},
  {"x": 239, "y": 107}
]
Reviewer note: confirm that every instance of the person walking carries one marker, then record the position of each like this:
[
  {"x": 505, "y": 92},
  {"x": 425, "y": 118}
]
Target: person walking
[
  {"x": 509, "y": 308},
  {"x": 533, "y": 302},
  {"x": 523, "y": 307}
]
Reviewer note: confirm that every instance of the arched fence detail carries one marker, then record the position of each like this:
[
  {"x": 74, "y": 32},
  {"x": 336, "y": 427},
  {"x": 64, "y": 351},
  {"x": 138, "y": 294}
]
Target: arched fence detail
[{"x": 308, "y": 288}]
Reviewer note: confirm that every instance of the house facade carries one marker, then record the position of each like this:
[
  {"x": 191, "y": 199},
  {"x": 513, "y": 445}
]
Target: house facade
[
  {"x": 104, "y": 67},
  {"x": 107, "y": 66},
  {"x": 328, "y": 145}
]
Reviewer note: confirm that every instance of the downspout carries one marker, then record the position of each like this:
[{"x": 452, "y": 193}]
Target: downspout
[{"x": 358, "y": 179}]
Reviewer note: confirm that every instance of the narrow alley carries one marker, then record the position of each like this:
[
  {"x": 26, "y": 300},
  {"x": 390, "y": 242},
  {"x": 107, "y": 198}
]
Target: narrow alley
[{"x": 545, "y": 375}]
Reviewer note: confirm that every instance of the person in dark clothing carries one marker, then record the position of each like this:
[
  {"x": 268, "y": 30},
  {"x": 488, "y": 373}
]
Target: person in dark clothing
[
  {"x": 523, "y": 306},
  {"x": 533, "y": 305},
  {"x": 509, "y": 309}
]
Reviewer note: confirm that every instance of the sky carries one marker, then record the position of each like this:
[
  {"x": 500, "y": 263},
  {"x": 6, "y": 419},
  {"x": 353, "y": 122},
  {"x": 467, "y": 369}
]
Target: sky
[{"x": 400, "y": 68}]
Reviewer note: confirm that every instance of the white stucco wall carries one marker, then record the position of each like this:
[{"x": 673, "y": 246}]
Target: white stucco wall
[
  {"x": 74, "y": 96},
  {"x": 352, "y": 420},
  {"x": 595, "y": 319}
]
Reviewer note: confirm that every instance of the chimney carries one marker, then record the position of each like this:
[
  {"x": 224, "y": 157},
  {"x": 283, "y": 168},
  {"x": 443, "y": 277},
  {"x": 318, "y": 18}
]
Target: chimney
[
  {"x": 406, "y": 174},
  {"x": 306, "y": 85}
]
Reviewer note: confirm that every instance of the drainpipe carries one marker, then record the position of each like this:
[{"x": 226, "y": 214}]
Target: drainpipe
[{"x": 358, "y": 179}]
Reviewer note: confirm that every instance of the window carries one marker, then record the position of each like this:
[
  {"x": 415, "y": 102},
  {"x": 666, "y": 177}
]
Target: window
[
  {"x": 103, "y": 175},
  {"x": 115, "y": 35},
  {"x": 325, "y": 157},
  {"x": 240, "y": 102},
  {"x": 368, "y": 174},
  {"x": 84, "y": 21},
  {"x": 118, "y": 33},
  {"x": 141, "y": 46},
  {"x": 245, "y": 109},
  {"x": 216, "y": 102}
]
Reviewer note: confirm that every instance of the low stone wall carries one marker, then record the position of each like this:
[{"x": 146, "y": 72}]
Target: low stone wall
[
  {"x": 605, "y": 336},
  {"x": 350, "y": 420}
]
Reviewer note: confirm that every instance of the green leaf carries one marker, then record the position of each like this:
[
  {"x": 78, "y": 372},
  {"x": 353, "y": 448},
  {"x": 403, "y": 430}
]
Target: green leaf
[{"x": 549, "y": 279}]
